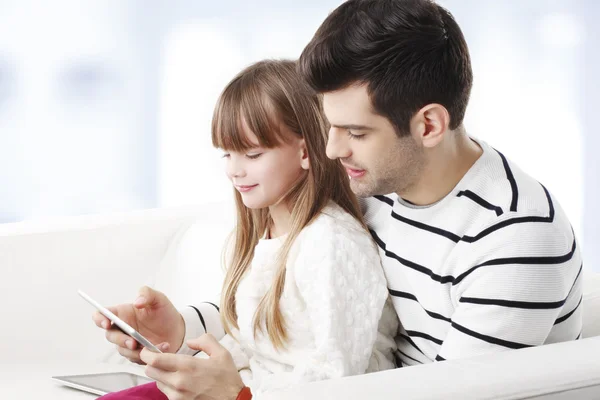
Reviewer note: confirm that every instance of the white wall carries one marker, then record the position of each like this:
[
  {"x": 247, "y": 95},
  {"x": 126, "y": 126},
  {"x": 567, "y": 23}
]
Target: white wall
[{"x": 106, "y": 105}]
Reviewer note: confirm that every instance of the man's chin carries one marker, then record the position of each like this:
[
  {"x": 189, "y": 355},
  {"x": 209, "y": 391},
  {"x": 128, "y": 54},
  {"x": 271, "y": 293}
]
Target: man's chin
[
  {"x": 360, "y": 189},
  {"x": 365, "y": 188}
]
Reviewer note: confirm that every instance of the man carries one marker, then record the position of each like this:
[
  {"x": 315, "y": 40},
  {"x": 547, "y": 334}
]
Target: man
[{"x": 479, "y": 256}]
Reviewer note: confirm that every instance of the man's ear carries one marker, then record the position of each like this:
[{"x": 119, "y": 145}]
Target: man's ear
[{"x": 430, "y": 124}]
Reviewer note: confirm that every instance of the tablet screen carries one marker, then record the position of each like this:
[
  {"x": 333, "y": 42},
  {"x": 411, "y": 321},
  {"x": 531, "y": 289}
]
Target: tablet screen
[{"x": 106, "y": 383}]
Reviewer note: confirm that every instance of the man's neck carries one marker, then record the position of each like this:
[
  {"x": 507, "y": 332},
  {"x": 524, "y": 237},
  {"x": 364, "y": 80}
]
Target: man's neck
[{"x": 445, "y": 166}]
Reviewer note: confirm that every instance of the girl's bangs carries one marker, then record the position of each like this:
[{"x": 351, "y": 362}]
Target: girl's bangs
[{"x": 241, "y": 110}]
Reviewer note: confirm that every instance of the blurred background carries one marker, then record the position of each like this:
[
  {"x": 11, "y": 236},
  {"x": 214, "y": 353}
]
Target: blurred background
[{"x": 105, "y": 105}]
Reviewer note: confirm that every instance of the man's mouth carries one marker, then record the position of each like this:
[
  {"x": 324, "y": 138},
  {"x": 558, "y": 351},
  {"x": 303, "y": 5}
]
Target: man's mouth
[{"x": 355, "y": 173}]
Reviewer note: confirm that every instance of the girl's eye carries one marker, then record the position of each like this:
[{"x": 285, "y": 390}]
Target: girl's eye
[
  {"x": 225, "y": 155},
  {"x": 253, "y": 156},
  {"x": 353, "y": 136}
]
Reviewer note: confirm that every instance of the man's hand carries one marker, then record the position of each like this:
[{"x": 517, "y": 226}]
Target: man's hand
[{"x": 183, "y": 377}]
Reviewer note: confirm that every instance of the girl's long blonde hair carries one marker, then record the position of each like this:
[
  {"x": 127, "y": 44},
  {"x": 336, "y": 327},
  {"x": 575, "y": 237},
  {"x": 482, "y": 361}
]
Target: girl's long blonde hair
[{"x": 265, "y": 95}]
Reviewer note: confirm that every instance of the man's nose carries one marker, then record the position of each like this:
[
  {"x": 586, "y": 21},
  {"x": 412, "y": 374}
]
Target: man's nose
[{"x": 337, "y": 144}]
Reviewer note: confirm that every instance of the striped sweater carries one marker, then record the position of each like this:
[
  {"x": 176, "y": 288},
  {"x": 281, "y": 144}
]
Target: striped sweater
[{"x": 492, "y": 266}]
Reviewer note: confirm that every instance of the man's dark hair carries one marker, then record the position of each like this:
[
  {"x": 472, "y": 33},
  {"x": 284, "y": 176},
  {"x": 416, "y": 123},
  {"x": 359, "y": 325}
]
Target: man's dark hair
[{"x": 409, "y": 53}]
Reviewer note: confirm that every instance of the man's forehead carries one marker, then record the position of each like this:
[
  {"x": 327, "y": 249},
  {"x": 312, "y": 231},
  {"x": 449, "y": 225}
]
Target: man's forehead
[
  {"x": 349, "y": 106},
  {"x": 352, "y": 95},
  {"x": 344, "y": 113}
]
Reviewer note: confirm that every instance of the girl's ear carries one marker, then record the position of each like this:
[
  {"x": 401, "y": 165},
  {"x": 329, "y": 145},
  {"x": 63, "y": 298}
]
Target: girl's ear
[{"x": 304, "y": 161}]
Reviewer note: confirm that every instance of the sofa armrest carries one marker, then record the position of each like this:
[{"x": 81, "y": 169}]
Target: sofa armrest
[
  {"x": 559, "y": 371},
  {"x": 44, "y": 264}
]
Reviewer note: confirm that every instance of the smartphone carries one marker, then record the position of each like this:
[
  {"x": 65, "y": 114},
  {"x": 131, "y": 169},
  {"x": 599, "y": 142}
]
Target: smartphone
[
  {"x": 102, "y": 384},
  {"x": 119, "y": 323}
]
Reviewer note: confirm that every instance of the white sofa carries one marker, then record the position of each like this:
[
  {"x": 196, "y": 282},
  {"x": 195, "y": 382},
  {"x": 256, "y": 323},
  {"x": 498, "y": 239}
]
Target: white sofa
[{"x": 178, "y": 251}]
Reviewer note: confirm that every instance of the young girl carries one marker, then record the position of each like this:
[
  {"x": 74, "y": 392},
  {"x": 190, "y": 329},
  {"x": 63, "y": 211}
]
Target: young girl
[
  {"x": 304, "y": 290},
  {"x": 304, "y": 297}
]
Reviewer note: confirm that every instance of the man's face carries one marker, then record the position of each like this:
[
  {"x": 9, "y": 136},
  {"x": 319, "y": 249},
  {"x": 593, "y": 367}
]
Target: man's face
[{"x": 376, "y": 159}]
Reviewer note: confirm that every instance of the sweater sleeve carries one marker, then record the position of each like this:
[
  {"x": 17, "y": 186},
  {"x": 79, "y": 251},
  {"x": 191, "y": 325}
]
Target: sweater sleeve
[
  {"x": 200, "y": 319},
  {"x": 339, "y": 277}
]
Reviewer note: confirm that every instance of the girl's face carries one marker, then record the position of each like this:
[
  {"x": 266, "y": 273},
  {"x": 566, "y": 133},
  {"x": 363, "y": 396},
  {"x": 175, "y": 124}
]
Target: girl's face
[{"x": 264, "y": 176}]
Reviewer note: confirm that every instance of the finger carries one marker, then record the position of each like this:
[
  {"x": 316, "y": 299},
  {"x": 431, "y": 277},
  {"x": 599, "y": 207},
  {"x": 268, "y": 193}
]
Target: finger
[
  {"x": 147, "y": 297},
  {"x": 116, "y": 336},
  {"x": 164, "y": 347},
  {"x": 114, "y": 310},
  {"x": 171, "y": 393},
  {"x": 159, "y": 375},
  {"x": 131, "y": 355},
  {"x": 206, "y": 343},
  {"x": 161, "y": 386},
  {"x": 165, "y": 361},
  {"x": 100, "y": 320},
  {"x": 173, "y": 384}
]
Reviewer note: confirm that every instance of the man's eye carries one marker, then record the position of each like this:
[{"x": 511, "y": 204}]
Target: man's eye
[{"x": 354, "y": 136}]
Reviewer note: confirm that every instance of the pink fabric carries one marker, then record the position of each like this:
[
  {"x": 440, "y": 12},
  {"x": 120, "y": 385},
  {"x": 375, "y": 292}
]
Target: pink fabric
[{"x": 148, "y": 391}]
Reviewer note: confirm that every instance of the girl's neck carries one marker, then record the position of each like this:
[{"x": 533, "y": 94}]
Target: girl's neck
[{"x": 281, "y": 221}]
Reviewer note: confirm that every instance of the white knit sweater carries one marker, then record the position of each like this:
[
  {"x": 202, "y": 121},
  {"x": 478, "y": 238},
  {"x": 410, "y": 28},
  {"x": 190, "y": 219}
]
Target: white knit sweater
[{"x": 333, "y": 298}]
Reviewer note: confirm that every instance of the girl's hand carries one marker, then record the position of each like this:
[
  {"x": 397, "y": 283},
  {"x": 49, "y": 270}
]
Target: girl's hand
[
  {"x": 183, "y": 377},
  {"x": 153, "y": 316}
]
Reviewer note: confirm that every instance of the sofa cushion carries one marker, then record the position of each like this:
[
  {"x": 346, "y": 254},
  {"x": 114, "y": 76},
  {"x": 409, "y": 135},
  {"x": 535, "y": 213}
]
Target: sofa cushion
[{"x": 192, "y": 269}]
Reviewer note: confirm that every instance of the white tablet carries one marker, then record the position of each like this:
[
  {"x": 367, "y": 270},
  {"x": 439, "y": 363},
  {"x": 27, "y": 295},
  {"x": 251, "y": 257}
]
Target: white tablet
[
  {"x": 122, "y": 325},
  {"x": 102, "y": 384}
]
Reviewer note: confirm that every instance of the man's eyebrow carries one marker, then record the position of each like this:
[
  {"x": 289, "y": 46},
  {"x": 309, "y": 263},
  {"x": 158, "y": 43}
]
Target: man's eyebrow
[{"x": 353, "y": 127}]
